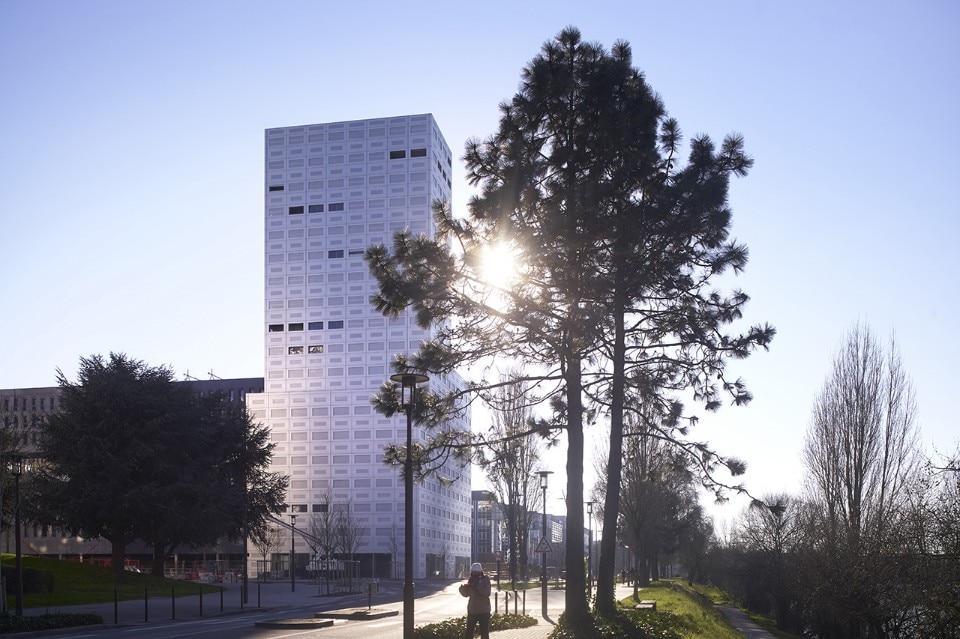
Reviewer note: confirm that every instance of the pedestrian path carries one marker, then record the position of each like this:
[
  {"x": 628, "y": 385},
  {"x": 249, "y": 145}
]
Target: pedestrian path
[{"x": 745, "y": 624}]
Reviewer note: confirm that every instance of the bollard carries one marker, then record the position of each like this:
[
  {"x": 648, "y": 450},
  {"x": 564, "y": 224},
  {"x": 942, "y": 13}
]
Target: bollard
[
  {"x": 221, "y": 599},
  {"x": 145, "y": 605},
  {"x": 201, "y": 600},
  {"x": 173, "y": 603},
  {"x": 116, "y": 608},
  {"x": 258, "y": 593},
  {"x": 524, "y": 602}
]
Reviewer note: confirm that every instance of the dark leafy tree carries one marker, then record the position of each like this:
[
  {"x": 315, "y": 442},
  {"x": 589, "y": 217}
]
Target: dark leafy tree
[
  {"x": 133, "y": 455},
  {"x": 615, "y": 242},
  {"x": 110, "y": 449},
  {"x": 223, "y": 489}
]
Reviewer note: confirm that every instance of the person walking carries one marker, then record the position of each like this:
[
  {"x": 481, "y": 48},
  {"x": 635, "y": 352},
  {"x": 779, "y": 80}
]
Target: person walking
[{"x": 477, "y": 590}]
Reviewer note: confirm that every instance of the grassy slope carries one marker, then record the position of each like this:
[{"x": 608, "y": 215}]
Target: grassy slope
[
  {"x": 720, "y": 597},
  {"x": 76, "y": 583},
  {"x": 696, "y": 614}
]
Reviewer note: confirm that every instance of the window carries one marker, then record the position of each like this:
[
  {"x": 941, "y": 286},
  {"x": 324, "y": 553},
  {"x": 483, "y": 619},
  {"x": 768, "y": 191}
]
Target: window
[
  {"x": 418, "y": 153},
  {"x": 398, "y": 155},
  {"x": 320, "y": 508},
  {"x": 276, "y": 328},
  {"x": 295, "y": 327},
  {"x": 335, "y": 324},
  {"x": 315, "y": 326},
  {"x": 356, "y": 252},
  {"x": 315, "y": 208},
  {"x": 295, "y": 210},
  {"x": 315, "y": 349},
  {"x": 276, "y": 187},
  {"x": 336, "y": 206},
  {"x": 335, "y": 253},
  {"x": 295, "y": 350}
]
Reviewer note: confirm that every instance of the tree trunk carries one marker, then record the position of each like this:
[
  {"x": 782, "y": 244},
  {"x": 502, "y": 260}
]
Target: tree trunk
[
  {"x": 118, "y": 551},
  {"x": 577, "y": 611},
  {"x": 607, "y": 569}
]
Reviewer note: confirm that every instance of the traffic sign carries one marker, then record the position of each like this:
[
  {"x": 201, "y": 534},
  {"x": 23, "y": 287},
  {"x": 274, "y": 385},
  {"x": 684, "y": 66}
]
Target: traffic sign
[{"x": 544, "y": 546}]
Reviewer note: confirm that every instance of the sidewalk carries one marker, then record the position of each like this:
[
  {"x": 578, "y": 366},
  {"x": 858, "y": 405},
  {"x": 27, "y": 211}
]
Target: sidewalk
[
  {"x": 269, "y": 596},
  {"x": 744, "y": 624}
]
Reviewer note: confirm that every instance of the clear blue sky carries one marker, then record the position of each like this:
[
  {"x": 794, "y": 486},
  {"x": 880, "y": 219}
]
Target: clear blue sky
[{"x": 131, "y": 156}]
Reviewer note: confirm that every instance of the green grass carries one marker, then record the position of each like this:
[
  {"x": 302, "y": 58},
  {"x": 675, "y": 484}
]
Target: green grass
[
  {"x": 505, "y": 584},
  {"x": 76, "y": 583},
  {"x": 692, "y": 612},
  {"x": 722, "y": 598}
]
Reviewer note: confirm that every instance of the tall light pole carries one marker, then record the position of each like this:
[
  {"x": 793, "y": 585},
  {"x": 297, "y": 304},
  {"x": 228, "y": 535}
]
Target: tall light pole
[
  {"x": 408, "y": 388},
  {"x": 543, "y": 574},
  {"x": 18, "y": 466},
  {"x": 293, "y": 539},
  {"x": 589, "y": 550}
]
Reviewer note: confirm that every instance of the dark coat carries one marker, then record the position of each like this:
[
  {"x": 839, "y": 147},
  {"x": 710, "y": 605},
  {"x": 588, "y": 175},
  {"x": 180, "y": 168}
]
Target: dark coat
[{"x": 477, "y": 589}]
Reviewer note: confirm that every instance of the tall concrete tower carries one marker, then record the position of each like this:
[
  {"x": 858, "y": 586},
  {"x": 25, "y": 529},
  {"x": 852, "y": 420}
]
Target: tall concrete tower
[{"x": 330, "y": 191}]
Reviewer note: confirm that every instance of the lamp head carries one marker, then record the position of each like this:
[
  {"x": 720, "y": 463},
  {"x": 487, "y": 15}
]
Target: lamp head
[
  {"x": 408, "y": 385},
  {"x": 543, "y": 477}
]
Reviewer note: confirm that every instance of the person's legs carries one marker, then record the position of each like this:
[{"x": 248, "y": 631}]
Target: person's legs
[
  {"x": 471, "y": 624},
  {"x": 484, "y": 625}
]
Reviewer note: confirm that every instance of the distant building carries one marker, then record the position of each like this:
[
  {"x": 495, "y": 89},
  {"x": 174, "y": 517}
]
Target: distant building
[{"x": 488, "y": 528}]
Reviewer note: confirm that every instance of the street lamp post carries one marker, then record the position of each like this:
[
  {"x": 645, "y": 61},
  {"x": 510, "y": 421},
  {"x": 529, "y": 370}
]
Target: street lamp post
[
  {"x": 18, "y": 468},
  {"x": 293, "y": 539},
  {"x": 408, "y": 387},
  {"x": 589, "y": 550},
  {"x": 543, "y": 574}
]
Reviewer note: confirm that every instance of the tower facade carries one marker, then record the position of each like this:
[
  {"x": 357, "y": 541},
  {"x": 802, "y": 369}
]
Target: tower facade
[{"x": 331, "y": 190}]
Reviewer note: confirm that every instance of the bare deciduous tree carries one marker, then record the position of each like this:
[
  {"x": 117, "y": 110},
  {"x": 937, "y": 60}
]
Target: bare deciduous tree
[
  {"x": 861, "y": 457},
  {"x": 861, "y": 448},
  {"x": 515, "y": 453}
]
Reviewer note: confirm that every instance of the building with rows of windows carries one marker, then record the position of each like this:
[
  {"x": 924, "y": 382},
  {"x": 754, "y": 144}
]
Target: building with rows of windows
[{"x": 331, "y": 190}]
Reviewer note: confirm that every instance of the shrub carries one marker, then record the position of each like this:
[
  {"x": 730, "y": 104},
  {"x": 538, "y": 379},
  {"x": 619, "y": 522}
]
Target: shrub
[
  {"x": 30, "y": 623},
  {"x": 623, "y": 625},
  {"x": 454, "y": 628}
]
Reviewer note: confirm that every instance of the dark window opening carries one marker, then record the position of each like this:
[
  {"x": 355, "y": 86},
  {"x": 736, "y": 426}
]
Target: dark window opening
[
  {"x": 418, "y": 153},
  {"x": 336, "y": 253},
  {"x": 319, "y": 508},
  {"x": 398, "y": 155},
  {"x": 315, "y": 208},
  {"x": 295, "y": 327},
  {"x": 296, "y": 210},
  {"x": 276, "y": 328},
  {"x": 276, "y": 187},
  {"x": 356, "y": 252},
  {"x": 315, "y": 326},
  {"x": 335, "y": 324},
  {"x": 336, "y": 206}
]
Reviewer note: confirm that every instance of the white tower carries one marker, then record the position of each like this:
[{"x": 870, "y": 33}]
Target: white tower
[{"x": 331, "y": 190}]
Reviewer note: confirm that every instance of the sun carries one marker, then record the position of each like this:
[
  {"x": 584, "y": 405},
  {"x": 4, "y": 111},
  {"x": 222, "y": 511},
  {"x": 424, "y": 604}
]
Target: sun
[{"x": 499, "y": 265}]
